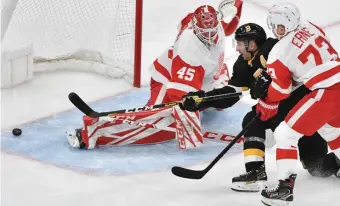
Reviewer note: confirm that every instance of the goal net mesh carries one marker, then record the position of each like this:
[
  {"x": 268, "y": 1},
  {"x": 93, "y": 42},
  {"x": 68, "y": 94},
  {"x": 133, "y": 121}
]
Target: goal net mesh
[{"x": 86, "y": 35}]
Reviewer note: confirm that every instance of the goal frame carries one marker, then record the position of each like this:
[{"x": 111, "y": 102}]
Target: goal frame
[{"x": 138, "y": 44}]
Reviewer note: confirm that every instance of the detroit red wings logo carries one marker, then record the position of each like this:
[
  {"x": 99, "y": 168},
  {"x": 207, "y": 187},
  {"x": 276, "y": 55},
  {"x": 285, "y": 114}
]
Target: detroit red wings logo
[{"x": 222, "y": 68}]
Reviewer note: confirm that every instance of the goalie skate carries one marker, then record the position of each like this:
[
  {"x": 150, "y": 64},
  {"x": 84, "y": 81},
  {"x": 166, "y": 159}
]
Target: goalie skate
[{"x": 74, "y": 138}]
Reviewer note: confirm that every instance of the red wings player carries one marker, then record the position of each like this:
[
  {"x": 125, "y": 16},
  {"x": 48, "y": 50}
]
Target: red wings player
[
  {"x": 194, "y": 62},
  {"x": 191, "y": 63},
  {"x": 303, "y": 55}
]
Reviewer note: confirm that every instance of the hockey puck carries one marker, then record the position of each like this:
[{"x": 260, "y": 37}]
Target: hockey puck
[{"x": 16, "y": 132}]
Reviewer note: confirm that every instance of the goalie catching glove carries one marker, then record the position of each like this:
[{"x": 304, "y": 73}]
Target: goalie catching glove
[
  {"x": 190, "y": 103},
  {"x": 227, "y": 10}
]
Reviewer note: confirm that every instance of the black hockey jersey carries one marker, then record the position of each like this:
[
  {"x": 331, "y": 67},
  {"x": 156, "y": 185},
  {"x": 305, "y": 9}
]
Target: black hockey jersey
[
  {"x": 243, "y": 70},
  {"x": 242, "y": 75}
]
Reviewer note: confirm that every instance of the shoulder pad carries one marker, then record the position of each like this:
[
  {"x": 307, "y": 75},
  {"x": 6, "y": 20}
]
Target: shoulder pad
[
  {"x": 267, "y": 46},
  {"x": 279, "y": 51},
  {"x": 191, "y": 50}
]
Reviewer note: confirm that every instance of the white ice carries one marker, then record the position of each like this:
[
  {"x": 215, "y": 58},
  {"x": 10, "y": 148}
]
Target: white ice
[{"x": 26, "y": 182}]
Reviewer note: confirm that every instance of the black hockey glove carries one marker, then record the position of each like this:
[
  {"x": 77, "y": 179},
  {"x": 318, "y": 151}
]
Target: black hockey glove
[
  {"x": 189, "y": 103},
  {"x": 221, "y": 103},
  {"x": 259, "y": 87}
]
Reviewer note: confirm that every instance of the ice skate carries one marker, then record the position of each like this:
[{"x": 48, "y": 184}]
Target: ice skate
[
  {"x": 281, "y": 195},
  {"x": 252, "y": 181}
]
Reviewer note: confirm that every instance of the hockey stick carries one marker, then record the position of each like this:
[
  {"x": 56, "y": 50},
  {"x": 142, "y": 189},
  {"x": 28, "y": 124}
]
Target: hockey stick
[
  {"x": 213, "y": 136},
  {"x": 87, "y": 110},
  {"x": 198, "y": 174}
]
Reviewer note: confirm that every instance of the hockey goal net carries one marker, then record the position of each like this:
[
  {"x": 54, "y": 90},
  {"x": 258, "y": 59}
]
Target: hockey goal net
[{"x": 102, "y": 36}]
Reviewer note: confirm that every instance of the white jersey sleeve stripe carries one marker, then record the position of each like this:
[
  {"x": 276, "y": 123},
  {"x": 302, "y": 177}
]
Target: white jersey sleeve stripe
[
  {"x": 281, "y": 90},
  {"x": 157, "y": 76},
  {"x": 180, "y": 86}
]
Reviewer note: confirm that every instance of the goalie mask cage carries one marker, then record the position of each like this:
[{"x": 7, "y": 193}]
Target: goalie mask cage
[{"x": 102, "y": 36}]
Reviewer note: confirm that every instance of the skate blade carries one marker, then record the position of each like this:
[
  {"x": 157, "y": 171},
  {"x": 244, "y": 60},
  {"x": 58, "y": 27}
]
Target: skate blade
[
  {"x": 270, "y": 202},
  {"x": 248, "y": 187}
]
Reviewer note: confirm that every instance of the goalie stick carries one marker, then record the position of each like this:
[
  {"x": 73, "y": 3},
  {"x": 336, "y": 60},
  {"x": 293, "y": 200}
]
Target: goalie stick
[
  {"x": 198, "y": 174},
  {"x": 88, "y": 111}
]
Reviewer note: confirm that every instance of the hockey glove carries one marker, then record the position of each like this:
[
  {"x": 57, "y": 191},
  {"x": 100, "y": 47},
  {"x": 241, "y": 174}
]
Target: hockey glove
[
  {"x": 227, "y": 10},
  {"x": 259, "y": 87},
  {"x": 222, "y": 103},
  {"x": 189, "y": 103},
  {"x": 267, "y": 109}
]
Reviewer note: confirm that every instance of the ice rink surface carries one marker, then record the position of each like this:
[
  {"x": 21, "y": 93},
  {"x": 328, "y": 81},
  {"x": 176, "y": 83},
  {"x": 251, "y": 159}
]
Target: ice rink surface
[{"x": 29, "y": 180}]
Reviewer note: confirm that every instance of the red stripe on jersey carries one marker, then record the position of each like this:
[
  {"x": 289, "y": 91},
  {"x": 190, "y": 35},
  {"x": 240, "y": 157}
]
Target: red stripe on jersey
[
  {"x": 334, "y": 144},
  {"x": 321, "y": 30},
  {"x": 175, "y": 94},
  {"x": 230, "y": 27},
  {"x": 282, "y": 154},
  {"x": 170, "y": 53},
  {"x": 186, "y": 20},
  {"x": 322, "y": 76},
  {"x": 184, "y": 24},
  {"x": 162, "y": 70},
  {"x": 275, "y": 96},
  {"x": 282, "y": 77}
]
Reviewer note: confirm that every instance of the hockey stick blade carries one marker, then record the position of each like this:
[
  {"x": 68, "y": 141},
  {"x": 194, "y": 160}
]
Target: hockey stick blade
[
  {"x": 187, "y": 173},
  {"x": 199, "y": 174},
  {"x": 81, "y": 105}
]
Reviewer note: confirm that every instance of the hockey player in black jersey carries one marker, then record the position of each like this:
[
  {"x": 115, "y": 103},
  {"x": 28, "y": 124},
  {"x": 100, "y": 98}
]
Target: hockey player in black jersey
[{"x": 254, "y": 47}]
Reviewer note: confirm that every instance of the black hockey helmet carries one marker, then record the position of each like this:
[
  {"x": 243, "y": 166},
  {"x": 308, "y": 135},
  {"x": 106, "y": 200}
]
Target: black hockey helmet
[{"x": 251, "y": 31}]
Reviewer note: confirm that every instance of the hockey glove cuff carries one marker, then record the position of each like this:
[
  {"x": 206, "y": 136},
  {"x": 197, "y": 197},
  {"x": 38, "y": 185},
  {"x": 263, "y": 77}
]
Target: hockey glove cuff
[{"x": 267, "y": 109}]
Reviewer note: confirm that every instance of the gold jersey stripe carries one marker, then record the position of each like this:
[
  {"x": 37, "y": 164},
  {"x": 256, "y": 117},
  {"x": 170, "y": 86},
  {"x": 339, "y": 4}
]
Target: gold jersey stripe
[{"x": 250, "y": 152}]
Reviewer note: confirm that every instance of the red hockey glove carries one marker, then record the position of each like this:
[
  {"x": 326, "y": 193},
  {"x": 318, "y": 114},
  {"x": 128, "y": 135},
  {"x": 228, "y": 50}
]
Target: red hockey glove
[{"x": 267, "y": 109}]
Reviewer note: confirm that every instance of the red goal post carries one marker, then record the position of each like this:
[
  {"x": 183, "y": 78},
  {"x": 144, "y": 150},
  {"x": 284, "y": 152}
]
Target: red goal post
[{"x": 138, "y": 43}]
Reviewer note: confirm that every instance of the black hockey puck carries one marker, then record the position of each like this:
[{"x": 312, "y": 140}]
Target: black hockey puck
[{"x": 16, "y": 132}]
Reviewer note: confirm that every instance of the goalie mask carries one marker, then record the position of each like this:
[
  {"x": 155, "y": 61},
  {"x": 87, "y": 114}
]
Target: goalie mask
[{"x": 205, "y": 24}]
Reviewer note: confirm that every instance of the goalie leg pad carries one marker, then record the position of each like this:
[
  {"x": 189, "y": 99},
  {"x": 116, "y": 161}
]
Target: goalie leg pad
[
  {"x": 108, "y": 131},
  {"x": 188, "y": 128}
]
